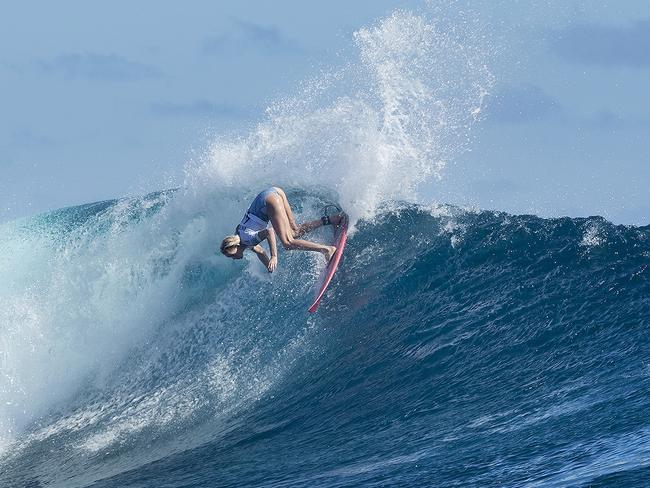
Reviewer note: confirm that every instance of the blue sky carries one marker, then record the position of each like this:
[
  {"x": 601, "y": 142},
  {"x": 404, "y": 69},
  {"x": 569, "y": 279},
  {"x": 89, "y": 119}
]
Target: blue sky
[{"x": 104, "y": 100}]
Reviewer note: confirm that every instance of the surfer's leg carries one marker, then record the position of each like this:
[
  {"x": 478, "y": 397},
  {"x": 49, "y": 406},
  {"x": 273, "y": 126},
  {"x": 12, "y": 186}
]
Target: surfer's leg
[
  {"x": 287, "y": 209},
  {"x": 283, "y": 230},
  {"x": 315, "y": 224},
  {"x": 307, "y": 227}
]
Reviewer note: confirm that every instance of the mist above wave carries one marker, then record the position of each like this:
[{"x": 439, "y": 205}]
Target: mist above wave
[{"x": 371, "y": 131}]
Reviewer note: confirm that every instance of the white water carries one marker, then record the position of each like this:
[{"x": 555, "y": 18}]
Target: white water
[
  {"x": 370, "y": 132},
  {"x": 75, "y": 305}
]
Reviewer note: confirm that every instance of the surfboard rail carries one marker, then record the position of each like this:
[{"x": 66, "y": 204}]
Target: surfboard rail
[{"x": 341, "y": 235}]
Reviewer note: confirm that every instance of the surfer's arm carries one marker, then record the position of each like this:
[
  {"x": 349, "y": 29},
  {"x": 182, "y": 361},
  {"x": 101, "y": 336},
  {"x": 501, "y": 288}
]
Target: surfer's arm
[
  {"x": 261, "y": 255},
  {"x": 270, "y": 262},
  {"x": 273, "y": 247}
]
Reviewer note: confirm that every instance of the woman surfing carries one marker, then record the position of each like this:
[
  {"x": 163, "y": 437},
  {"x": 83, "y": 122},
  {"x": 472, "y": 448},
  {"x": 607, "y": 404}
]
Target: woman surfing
[{"x": 271, "y": 205}]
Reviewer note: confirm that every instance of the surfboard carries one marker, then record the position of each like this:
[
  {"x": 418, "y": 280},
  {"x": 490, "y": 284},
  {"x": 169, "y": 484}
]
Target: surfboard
[{"x": 340, "y": 238}]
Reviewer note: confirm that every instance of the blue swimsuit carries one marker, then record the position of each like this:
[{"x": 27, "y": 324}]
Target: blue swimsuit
[{"x": 256, "y": 220}]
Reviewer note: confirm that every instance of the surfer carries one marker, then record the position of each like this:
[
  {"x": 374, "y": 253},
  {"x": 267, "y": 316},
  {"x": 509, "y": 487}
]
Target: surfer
[{"x": 272, "y": 206}]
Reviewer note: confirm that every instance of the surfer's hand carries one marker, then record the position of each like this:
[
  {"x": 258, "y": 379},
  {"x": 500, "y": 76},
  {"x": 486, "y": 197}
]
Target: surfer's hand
[{"x": 273, "y": 264}]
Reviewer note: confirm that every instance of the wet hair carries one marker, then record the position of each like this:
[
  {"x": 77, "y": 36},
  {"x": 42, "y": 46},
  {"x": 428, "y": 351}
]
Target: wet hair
[{"x": 229, "y": 241}]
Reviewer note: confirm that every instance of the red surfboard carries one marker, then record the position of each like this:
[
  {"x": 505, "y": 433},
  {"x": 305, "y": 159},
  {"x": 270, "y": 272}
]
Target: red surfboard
[{"x": 340, "y": 237}]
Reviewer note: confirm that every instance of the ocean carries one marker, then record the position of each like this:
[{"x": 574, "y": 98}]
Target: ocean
[{"x": 454, "y": 347}]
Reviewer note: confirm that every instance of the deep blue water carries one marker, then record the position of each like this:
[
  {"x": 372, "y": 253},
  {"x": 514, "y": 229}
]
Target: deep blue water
[{"x": 454, "y": 348}]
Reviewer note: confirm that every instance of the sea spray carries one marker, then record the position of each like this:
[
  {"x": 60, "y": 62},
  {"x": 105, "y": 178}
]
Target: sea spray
[{"x": 370, "y": 132}]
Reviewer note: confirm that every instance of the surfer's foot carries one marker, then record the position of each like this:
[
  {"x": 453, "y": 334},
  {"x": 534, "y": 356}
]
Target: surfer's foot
[
  {"x": 335, "y": 219},
  {"x": 329, "y": 252}
]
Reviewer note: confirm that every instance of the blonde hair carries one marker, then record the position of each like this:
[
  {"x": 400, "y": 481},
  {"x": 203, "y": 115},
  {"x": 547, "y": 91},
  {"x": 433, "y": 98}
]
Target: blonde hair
[{"x": 229, "y": 241}]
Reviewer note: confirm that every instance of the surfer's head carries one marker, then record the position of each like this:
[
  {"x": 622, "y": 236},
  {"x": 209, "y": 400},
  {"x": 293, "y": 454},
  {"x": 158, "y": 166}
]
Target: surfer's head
[{"x": 231, "y": 247}]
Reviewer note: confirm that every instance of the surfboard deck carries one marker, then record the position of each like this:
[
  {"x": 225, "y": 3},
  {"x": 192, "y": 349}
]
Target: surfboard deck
[{"x": 340, "y": 238}]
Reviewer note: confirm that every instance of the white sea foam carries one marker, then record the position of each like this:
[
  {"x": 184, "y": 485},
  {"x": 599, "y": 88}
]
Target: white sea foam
[{"x": 592, "y": 237}]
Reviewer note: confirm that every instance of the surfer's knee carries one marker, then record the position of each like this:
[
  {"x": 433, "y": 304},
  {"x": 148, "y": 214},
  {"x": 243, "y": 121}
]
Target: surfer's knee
[{"x": 287, "y": 241}]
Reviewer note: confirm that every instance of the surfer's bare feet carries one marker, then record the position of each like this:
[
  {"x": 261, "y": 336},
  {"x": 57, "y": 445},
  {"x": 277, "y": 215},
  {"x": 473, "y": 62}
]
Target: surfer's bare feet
[{"x": 329, "y": 253}]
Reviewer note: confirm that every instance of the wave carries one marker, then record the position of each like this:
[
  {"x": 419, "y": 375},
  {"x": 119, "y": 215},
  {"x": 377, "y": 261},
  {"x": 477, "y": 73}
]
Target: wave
[
  {"x": 454, "y": 348},
  {"x": 445, "y": 328},
  {"x": 88, "y": 283}
]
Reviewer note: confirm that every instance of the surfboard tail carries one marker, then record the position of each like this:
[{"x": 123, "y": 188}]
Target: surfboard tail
[{"x": 341, "y": 235}]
